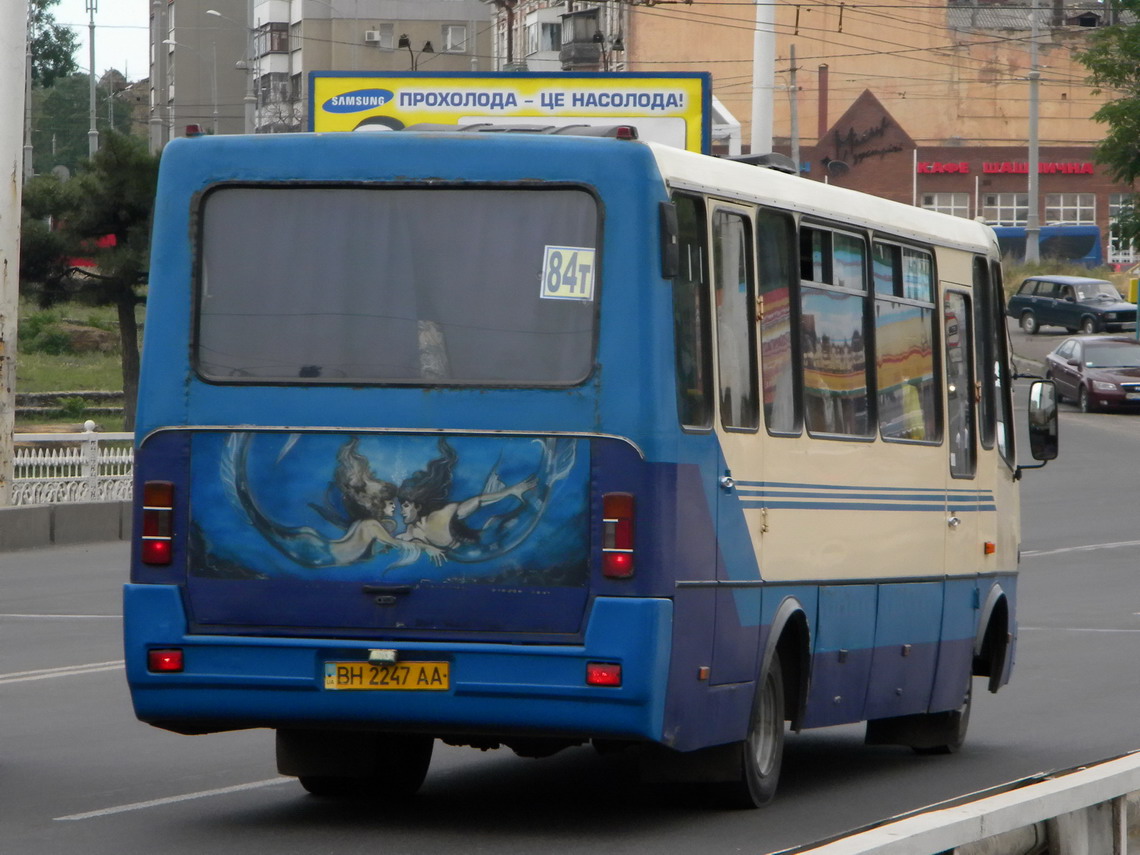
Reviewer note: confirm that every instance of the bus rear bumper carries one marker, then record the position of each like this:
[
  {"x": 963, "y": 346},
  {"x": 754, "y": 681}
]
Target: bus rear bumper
[{"x": 232, "y": 682}]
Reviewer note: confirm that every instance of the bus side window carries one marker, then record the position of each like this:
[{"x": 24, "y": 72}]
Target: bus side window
[
  {"x": 833, "y": 299},
  {"x": 735, "y": 289},
  {"x": 779, "y": 348},
  {"x": 904, "y": 343},
  {"x": 1003, "y": 384},
  {"x": 959, "y": 385},
  {"x": 691, "y": 316},
  {"x": 985, "y": 333}
]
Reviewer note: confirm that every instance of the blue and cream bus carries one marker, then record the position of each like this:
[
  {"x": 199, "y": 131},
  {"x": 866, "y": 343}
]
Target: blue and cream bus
[{"x": 535, "y": 440}]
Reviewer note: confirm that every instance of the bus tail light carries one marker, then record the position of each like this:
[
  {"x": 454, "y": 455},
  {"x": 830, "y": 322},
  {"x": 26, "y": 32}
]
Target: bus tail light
[
  {"x": 164, "y": 661},
  {"x": 617, "y": 535},
  {"x": 603, "y": 674},
  {"x": 158, "y": 522}
]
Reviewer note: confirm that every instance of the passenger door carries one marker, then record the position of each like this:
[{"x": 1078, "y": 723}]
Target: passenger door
[
  {"x": 1047, "y": 300},
  {"x": 962, "y": 498},
  {"x": 737, "y": 424}
]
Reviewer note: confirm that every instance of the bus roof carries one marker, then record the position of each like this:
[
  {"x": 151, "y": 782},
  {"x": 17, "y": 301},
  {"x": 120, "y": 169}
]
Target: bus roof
[{"x": 682, "y": 169}]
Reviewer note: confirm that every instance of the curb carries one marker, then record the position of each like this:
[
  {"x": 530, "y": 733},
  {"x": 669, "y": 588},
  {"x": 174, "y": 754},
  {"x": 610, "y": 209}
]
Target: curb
[{"x": 38, "y": 526}]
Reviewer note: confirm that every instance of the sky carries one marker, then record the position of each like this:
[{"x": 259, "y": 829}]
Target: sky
[{"x": 121, "y": 34}]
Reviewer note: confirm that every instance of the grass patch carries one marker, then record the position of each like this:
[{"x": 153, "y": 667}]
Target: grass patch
[
  {"x": 47, "y": 372},
  {"x": 47, "y": 361}
]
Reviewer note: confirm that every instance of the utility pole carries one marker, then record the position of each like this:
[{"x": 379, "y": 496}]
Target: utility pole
[
  {"x": 1032, "y": 219},
  {"x": 763, "y": 75},
  {"x": 794, "y": 95},
  {"x": 13, "y": 72},
  {"x": 29, "y": 166}
]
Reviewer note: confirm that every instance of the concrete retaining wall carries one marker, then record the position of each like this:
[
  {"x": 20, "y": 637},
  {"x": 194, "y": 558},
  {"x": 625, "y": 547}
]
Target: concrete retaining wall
[{"x": 35, "y": 526}]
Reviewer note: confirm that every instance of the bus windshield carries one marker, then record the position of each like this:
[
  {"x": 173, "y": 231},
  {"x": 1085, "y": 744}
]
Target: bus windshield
[{"x": 498, "y": 289}]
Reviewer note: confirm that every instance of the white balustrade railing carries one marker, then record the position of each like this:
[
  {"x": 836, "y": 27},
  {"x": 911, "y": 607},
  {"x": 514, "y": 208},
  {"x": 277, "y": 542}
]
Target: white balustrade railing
[{"x": 72, "y": 467}]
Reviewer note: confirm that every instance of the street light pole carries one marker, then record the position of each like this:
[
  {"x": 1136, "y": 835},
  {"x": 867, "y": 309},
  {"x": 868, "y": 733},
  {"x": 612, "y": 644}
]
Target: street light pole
[
  {"x": 246, "y": 64},
  {"x": 1033, "y": 220},
  {"x": 405, "y": 42},
  {"x": 93, "y": 133}
]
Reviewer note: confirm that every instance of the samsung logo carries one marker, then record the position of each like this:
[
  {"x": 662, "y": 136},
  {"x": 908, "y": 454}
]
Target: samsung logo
[{"x": 354, "y": 102}]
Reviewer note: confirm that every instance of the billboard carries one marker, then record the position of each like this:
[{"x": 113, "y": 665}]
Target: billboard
[{"x": 668, "y": 108}]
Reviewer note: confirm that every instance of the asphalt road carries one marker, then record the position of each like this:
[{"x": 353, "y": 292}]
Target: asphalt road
[{"x": 78, "y": 774}]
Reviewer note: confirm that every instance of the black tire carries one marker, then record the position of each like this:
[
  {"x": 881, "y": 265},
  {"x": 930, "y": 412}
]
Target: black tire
[
  {"x": 947, "y": 731},
  {"x": 1089, "y": 325},
  {"x": 1029, "y": 324},
  {"x": 925, "y": 733},
  {"x": 762, "y": 753},
  {"x": 1083, "y": 401},
  {"x": 401, "y": 765}
]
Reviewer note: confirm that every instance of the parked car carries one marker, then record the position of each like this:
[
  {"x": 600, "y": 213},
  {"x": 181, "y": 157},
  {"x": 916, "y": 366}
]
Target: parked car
[
  {"x": 1072, "y": 302},
  {"x": 1098, "y": 372}
]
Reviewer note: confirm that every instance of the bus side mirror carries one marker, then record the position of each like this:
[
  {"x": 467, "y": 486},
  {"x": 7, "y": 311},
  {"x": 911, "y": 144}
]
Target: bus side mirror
[
  {"x": 1043, "y": 420},
  {"x": 670, "y": 249}
]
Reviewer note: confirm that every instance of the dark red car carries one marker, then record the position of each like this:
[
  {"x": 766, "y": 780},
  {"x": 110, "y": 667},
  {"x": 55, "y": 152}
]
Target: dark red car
[{"x": 1097, "y": 372}]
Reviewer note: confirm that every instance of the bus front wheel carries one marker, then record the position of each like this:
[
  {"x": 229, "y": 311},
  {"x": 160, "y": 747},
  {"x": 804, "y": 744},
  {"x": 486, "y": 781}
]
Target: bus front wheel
[{"x": 761, "y": 754}]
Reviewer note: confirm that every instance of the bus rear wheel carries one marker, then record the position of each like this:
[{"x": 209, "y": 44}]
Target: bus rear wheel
[
  {"x": 334, "y": 764},
  {"x": 925, "y": 733},
  {"x": 761, "y": 754}
]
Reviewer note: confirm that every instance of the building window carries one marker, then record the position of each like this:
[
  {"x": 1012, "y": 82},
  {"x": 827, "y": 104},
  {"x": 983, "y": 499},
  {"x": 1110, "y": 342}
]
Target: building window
[
  {"x": 386, "y": 33},
  {"x": 955, "y": 204},
  {"x": 273, "y": 38},
  {"x": 542, "y": 36},
  {"x": 579, "y": 27},
  {"x": 1120, "y": 250},
  {"x": 1005, "y": 209},
  {"x": 1070, "y": 208},
  {"x": 455, "y": 38}
]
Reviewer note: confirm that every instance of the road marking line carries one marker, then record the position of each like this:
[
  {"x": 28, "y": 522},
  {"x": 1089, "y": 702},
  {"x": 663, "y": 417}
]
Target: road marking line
[
  {"x": 63, "y": 671},
  {"x": 1090, "y": 548},
  {"x": 1073, "y": 629},
  {"x": 269, "y": 782},
  {"x": 64, "y": 617}
]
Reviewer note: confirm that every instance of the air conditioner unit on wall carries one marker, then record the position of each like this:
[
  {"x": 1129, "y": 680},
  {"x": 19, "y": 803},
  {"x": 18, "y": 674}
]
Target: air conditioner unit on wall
[{"x": 372, "y": 37}]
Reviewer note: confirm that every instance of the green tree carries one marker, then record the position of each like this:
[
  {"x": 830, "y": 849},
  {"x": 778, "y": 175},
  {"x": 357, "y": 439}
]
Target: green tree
[
  {"x": 108, "y": 202},
  {"x": 61, "y": 119},
  {"x": 52, "y": 46},
  {"x": 1113, "y": 60}
]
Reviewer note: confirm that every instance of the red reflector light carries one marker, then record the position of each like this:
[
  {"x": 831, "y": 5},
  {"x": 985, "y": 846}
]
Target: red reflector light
[
  {"x": 617, "y": 565},
  {"x": 603, "y": 674},
  {"x": 157, "y": 522},
  {"x": 617, "y": 535},
  {"x": 164, "y": 661},
  {"x": 156, "y": 551}
]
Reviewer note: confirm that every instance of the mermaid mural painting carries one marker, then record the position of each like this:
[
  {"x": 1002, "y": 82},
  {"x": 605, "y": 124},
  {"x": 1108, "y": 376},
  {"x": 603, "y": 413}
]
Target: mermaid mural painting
[{"x": 440, "y": 502}]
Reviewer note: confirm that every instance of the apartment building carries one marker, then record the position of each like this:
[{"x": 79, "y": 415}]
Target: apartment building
[{"x": 241, "y": 66}]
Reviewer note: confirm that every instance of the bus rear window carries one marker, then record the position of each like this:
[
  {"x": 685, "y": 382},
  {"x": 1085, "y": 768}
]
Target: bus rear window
[{"x": 417, "y": 286}]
